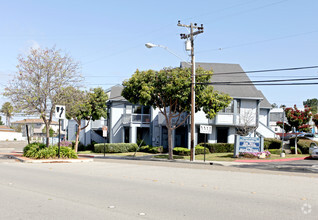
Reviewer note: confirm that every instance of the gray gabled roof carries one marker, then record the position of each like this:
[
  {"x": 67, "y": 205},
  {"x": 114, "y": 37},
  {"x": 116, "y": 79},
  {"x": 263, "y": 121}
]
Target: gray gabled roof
[
  {"x": 264, "y": 103},
  {"x": 114, "y": 93},
  {"x": 221, "y": 73}
]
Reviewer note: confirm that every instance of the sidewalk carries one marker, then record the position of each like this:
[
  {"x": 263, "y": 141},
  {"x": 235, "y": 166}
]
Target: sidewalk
[{"x": 220, "y": 163}]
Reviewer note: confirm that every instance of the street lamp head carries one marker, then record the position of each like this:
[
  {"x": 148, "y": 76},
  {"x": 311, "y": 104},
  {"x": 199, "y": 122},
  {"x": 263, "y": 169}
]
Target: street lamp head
[{"x": 150, "y": 45}]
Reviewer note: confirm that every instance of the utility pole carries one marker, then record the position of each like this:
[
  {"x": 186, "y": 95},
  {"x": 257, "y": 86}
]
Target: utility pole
[{"x": 188, "y": 37}]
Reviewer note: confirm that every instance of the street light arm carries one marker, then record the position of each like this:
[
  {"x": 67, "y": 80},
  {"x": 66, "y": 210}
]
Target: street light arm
[{"x": 151, "y": 45}]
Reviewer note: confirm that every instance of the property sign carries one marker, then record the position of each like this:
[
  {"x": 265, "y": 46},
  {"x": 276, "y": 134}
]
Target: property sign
[
  {"x": 205, "y": 129},
  {"x": 60, "y": 111},
  {"x": 104, "y": 131},
  {"x": 248, "y": 144}
]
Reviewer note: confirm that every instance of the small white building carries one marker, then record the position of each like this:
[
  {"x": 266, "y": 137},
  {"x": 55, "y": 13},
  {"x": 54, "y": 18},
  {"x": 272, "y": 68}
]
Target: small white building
[
  {"x": 8, "y": 134},
  {"x": 37, "y": 126}
]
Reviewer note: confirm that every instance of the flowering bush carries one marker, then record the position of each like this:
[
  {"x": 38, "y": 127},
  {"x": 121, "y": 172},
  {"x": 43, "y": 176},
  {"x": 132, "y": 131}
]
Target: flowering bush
[
  {"x": 66, "y": 144},
  {"x": 255, "y": 154}
]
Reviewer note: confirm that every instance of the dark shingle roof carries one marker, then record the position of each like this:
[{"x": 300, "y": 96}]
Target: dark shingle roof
[
  {"x": 241, "y": 91},
  {"x": 237, "y": 91}
]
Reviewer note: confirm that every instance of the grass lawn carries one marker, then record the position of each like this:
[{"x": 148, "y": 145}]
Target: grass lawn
[
  {"x": 128, "y": 154},
  {"x": 229, "y": 157}
]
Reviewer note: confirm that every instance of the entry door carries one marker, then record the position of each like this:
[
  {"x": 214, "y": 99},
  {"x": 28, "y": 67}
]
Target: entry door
[{"x": 222, "y": 134}]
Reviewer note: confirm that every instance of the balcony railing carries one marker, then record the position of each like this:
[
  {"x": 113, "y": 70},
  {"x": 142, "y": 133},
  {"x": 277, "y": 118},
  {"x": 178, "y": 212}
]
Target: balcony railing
[{"x": 136, "y": 118}]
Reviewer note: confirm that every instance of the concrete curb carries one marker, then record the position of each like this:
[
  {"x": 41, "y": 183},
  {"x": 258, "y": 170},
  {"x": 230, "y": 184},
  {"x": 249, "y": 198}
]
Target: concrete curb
[{"x": 275, "y": 160}]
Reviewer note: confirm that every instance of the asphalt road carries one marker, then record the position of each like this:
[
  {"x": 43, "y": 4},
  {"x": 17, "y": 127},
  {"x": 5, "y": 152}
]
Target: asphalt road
[{"x": 119, "y": 189}]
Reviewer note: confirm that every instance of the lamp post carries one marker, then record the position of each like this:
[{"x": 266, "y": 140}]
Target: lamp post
[{"x": 192, "y": 64}]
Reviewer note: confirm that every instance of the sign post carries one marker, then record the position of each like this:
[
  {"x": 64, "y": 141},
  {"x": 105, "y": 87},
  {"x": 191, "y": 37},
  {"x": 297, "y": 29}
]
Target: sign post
[
  {"x": 205, "y": 129},
  {"x": 104, "y": 135},
  {"x": 60, "y": 114}
]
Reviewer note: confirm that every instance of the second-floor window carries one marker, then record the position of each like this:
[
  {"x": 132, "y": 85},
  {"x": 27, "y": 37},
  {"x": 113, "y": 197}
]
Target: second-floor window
[{"x": 230, "y": 107}]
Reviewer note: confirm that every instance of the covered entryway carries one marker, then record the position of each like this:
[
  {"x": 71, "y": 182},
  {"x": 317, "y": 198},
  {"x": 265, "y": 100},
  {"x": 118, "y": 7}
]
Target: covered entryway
[{"x": 222, "y": 134}]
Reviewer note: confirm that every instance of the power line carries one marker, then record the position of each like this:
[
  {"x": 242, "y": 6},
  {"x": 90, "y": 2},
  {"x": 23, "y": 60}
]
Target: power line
[
  {"x": 262, "y": 71},
  {"x": 263, "y": 81},
  {"x": 259, "y": 84}
]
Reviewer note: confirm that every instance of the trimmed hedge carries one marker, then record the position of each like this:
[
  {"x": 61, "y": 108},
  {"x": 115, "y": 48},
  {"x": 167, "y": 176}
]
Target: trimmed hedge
[
  {"x": 151, "y": 149},
  {"x": 181, "y": 151},
  {"x": 302, "y": 143},
  {"x": 200, "y": 150},
  {"x": 219, "y": 147},
  {"x": 115, "y": 148},
  {"x": 272, "y": 143},
  {"x": 275, "y": 151}
]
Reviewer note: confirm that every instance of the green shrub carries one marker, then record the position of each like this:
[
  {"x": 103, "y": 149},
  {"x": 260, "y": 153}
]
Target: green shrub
[
  {"x": 33, "y": 145},
  {"x": 219, "y": 147},
  {"x": 39, "y": 151},
  {"x": 141, "y": 142},
  {"x": 181, "y": 151},
  {"x": 45, "y": 153},
  {"x": 66, "y": 152},
  {"x": 200, "y": 150},
  {"x": 293, "y": 150},
  {"x": 272, "y": 143},
  {"x": 302, "y": 143},
  {"x": 151, "y": 149},
  {"x": 115, "y": 148},
  {"x": 275, "y": 151}
]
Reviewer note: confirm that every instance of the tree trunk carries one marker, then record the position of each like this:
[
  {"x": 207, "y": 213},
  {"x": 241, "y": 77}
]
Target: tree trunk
[
  {"x": 77, "y": 136},
  {"x": 296, "y": 145},
  {"x": 170, "y": 150},
  {"x": 47, "y": 134}
]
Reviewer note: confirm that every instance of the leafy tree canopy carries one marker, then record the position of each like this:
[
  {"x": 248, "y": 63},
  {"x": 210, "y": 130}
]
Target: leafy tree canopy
[
  {"x": 313, "y": 104},
  {"x": 169, "y": 90},
  {"x": 83, "y": 105},
  {"x": 7, "y": 110},
  {"x": 297, "y": 119}
]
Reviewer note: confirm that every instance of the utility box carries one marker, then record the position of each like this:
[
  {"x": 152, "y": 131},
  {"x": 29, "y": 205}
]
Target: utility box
[{"x": 188, "y": 45}]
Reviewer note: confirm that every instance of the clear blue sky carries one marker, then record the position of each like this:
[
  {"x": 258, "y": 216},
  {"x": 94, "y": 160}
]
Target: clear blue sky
[{"x": 108, "y": 37}]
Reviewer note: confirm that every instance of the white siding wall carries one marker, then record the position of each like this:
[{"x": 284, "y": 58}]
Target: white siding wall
[
  {"x": 11, "y": 136},
  {"x": 117, "y": 130},
  {"x": 224, "y": 119},
  {"x": 247, "y": 112},
  {"x": 263, "y": 116}
]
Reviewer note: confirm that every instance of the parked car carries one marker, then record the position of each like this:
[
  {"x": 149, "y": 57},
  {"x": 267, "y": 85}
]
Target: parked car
[
  {"x": 287, "y": 136},
  {"x": 313, "y": 150},
  {"x": 310, "y": 136}
]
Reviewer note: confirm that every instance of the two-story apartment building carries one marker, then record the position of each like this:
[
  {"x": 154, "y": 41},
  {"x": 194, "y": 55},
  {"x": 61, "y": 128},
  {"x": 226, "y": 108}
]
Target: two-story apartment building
[{"x": 128, "y": 122}]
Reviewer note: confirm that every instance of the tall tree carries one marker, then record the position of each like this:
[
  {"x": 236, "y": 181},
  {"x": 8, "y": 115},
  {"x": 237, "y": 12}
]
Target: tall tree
[
  {"x": 38, "y": 86},
  {"x": 298, "y": 120},
  {"x": 7, "y": 110},
  {"x": 313, "y": 104},
  {"x": 1, "y": 123},
  {"x": 81, "y": 105},
  {"x": 169, "y": 90}
]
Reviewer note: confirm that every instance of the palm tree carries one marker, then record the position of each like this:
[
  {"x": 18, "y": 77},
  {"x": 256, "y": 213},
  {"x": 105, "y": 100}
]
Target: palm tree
[{"x": 7, "y": 110}]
